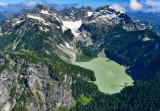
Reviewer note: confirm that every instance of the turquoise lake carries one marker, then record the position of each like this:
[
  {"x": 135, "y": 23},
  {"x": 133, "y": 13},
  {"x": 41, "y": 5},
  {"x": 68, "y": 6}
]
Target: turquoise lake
[{"x": 110, "y": 76}]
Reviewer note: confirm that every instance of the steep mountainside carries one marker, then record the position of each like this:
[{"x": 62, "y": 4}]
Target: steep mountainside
[
  {"x": 39, "y": 47},
  {"x": 122, "y": 40},
  {"x": 28, "y": 85},
  {"x": 33, "y": 82},
  {"x": 40, "y": 31}
]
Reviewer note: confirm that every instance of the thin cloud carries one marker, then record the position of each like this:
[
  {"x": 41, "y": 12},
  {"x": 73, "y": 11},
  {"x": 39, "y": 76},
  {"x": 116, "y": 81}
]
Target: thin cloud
[
  {"x": 14, "y": 8},
  {"x": 3, "y": 4},
  {"x": 118, "y": 7},
  {"x": 154, "y": 5},
  {"x": 135, "y": 5},
  {"x": 30, "y": 4}
]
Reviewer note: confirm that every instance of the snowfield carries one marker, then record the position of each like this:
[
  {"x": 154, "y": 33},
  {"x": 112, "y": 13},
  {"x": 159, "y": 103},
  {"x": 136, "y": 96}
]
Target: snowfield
[
  {"x": 73, "y": 25},
  {"x": 90, "y": 13}
]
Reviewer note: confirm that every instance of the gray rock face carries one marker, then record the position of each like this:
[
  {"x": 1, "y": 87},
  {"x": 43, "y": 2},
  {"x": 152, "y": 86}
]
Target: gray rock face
[
  {"x": 108, "y": 17},
  {"x": 2, "y": 62},
  {"x": 73, "y": 14},
  {"x": 31, "y": 87}
]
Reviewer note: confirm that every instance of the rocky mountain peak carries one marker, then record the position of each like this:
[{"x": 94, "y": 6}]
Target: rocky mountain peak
[
  {"x": 40, "y": 7},
  {"x": 74, "y": 13},
  {"x": 108, "y": 12},
  {"x": 88, "y": 8},
  {"x": 106, "y": 16},
  {"x": 53, "y": 9},
  {"x": 107, "y": 7}
]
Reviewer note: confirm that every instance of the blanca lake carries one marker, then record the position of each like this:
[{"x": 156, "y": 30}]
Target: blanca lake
[{"x": 110, "y": 76}]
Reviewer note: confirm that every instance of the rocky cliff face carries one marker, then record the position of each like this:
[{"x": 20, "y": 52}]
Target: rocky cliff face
[
  {"x": 74, "y": 14},
  {"x": 108, "y": 17},
  {"x": 29, "y": 86}
]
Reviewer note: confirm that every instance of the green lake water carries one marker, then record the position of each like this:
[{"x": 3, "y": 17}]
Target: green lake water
[{"x": 110, "y": 76}]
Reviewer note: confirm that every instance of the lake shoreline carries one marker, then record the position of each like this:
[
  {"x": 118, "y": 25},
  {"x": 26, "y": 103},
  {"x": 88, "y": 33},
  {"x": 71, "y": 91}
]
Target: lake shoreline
[{"x": 111, "y": 77}]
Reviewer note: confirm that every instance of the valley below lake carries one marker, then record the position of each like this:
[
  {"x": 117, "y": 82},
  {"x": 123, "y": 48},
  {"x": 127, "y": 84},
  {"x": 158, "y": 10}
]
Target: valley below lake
[{"x": 110, "y": 76}]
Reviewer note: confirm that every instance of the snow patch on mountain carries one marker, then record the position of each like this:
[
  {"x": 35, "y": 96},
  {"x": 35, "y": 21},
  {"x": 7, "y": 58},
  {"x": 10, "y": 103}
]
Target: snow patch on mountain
[
  {"x": 40, "y": 19},
  {"x": 36, "y": 18},
  {"x": 68, "y": 46},
  {"x": 1, "y": 32},
  {"x": 105, "y": 14},
  {"x": 16, "y": 42},
  {"x": 16, "y": 22},
  {"x": 64, "y": 28},
  {"x": 47, "y": 52},
  {"x": 89, "y": 14},
  {"x": 45, "y": 12},
  {"x": 73, "y": 25},
  {"x": 146, "y": 39},
  {"x": 44, "y": 29}
]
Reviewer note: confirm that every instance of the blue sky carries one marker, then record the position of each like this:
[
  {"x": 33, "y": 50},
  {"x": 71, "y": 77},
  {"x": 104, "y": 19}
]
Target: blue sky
[
  {"x": 66, "y": 1},
  {"x": 93, "y": 3},
  {"x": 123, "y": 5}
]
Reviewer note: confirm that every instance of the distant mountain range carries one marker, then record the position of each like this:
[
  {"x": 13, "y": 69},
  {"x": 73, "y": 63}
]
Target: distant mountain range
[
  {"x": 8, "y": 15},
  {"x": 153, "y": 18}
]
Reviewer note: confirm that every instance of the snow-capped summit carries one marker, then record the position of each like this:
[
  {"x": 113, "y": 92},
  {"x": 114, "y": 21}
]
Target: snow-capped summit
[{"x": 106, "y": 15}]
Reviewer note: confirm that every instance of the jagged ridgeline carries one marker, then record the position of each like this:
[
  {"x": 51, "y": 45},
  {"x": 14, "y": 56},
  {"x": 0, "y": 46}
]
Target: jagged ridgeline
[
  {"x": 44, "y": 30},
  {"x": 39, "y": 47}
]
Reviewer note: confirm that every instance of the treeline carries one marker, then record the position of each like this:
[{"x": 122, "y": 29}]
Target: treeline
[
  {"x": 143, "y": 96},
  {"x": 127, "y": 48},
  {"x": 57, "y": 66}
]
